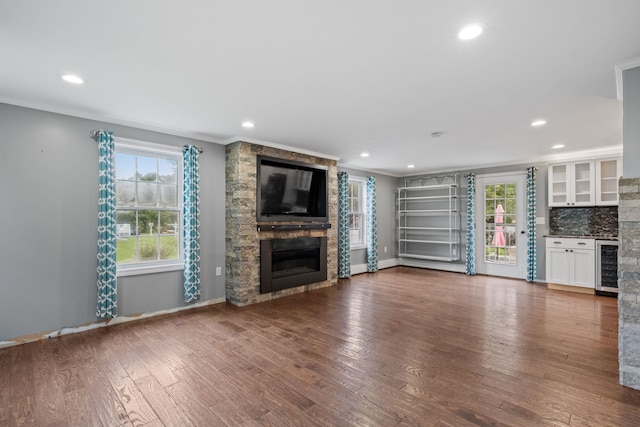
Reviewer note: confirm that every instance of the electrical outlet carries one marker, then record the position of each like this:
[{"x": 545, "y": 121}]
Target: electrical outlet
[
  {"x": 385, "y": 249},
  {"x": 218, "y": 271},
  {"x": 540, "y": 220}
]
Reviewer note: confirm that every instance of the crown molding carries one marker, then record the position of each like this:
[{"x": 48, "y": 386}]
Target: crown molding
[
  {"x": 278, "y": 146},
  {"x": 620, "y": 67},
  {"x": 109, "y": 119}
]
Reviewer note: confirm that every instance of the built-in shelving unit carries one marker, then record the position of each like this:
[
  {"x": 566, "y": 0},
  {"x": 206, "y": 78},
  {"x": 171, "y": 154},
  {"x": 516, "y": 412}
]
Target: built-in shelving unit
[{"x": 428, "y": 218}]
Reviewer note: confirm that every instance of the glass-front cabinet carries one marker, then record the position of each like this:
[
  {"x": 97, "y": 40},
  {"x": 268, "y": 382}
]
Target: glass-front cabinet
[
  {"x": 608, "y": 172},
  {"x": 572, "y": 184}
]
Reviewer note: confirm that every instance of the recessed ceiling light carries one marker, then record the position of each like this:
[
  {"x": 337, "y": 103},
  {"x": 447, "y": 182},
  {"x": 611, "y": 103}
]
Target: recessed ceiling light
[
  {"x": 557, "y": 146},
  {"x": 411, "y": 166},
  {"x": 470, "y": 32},
  {"x": 538, "y": 122},
  {"x": 71, "y": 78},
  {"x": 248, "y": 124},
  {"x": 364, "y": 154}
]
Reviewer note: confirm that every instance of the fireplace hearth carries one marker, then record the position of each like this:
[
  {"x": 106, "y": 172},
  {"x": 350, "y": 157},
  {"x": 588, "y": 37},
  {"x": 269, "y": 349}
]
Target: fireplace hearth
[{"x": 287, "y": 263}]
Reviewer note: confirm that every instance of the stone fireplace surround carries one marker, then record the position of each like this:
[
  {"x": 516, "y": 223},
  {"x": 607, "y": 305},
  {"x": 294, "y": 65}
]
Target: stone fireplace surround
[{"x": 242, "y": 236}]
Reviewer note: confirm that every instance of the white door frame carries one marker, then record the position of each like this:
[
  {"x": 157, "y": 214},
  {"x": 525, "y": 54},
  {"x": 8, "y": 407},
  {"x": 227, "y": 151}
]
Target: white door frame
[{"x": 519, "y": 270}]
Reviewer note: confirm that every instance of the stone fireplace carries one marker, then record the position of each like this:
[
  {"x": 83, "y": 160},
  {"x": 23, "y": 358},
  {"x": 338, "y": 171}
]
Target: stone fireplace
[{"x": 246, "y": 238}]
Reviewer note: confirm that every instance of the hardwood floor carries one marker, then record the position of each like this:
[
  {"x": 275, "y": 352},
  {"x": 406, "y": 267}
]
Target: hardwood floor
[{"x": 402, "y": 347}]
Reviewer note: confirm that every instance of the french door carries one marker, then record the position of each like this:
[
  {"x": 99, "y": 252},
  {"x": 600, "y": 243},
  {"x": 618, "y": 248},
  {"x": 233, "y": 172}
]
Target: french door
[{"x": 501, "y": 225}]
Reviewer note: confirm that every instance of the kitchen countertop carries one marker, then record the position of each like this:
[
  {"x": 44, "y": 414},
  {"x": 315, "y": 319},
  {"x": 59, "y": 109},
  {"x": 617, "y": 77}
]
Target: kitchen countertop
[{"x": 569, "y": 236}]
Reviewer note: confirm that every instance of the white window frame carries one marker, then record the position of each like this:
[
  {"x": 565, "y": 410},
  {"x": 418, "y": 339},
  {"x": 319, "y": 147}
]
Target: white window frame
[
  {"x": 130, "y": 146},
  {"x": 362, "y": 185}
]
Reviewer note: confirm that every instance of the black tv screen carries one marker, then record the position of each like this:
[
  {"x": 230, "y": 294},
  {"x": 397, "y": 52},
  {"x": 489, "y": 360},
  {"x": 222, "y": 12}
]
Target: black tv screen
[{"x": 290, "y": 190}]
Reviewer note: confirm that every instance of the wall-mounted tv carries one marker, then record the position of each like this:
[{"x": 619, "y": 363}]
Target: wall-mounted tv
[{"x": 291, "y": 191}]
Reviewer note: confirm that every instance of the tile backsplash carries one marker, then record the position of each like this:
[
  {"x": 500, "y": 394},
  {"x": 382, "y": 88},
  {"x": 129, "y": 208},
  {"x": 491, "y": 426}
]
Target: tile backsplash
[{"x": 591, "y": 221}]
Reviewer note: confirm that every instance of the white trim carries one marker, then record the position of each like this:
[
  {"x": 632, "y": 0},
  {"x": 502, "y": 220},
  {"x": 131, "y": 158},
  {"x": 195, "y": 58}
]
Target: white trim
[
  {"x": 278, "y": 146},
  {"x": 619, "y": 68},
  {"x": 101, "y": 324},
  {"x": 358, "y": 269},
  {"x": 137, "y": 145},
  {"x": 385, "y": 263},
  {"x": 116, "y": 120},
  {"x": 433, "y": 265},
  {"x": 614, "y": 150},
  {"x": 122, "y": 271},
  {"x": 501, "y": 174}
]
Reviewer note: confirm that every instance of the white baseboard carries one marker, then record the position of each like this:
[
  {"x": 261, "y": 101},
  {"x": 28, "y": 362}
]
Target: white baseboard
[
  {"x": 434, "y": 265},
  {"x": 103, "y": 323},
  {"x": 382, "y": 264}
]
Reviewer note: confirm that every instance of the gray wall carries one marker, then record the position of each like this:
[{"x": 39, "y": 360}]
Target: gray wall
[
  {"x": 631, "y": 132},
  {"x": 48, "y": 188},
  {"x": 385, "y": 209}
]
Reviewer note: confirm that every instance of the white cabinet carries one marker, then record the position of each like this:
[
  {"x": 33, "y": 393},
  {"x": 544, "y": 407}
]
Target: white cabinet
[
  {"x": 572, "y": 184},
  {"x": 429, "y": 222},
  {"x": 608, "y": 171},
  {"x": 571, "y": 262}
]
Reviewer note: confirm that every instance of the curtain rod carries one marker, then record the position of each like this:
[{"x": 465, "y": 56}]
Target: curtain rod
[{"x": 94, "y": 133}]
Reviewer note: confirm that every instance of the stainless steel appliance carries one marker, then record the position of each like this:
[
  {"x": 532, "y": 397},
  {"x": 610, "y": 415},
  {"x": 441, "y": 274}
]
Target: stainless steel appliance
[{"x": 606, "y": 267}]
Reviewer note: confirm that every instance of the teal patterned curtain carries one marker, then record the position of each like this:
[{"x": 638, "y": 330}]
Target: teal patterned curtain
[
  {"x": 344, "y": 245},
  {"x": 471, "y": 225},
  {"x": 532, "y": 256},
  {"x": 107, "y": 281},
  {"x": 191, "y": 222},
  {"x": 372, "y": 226}
]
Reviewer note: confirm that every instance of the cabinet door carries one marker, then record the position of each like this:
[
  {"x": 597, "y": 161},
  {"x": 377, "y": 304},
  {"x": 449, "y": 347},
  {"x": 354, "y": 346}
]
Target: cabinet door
[
  {"x": 607, "y": 173},
  {"x": 583, "y": 184},
  {"x": 559, "y": 183},
  {"x": 558, "y": 270},
  {"x": 583, "y": 268}
]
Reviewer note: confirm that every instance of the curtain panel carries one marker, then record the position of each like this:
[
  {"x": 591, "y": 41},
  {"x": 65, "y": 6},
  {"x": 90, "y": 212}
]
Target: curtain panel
[
  {"x": 107, "y": 303},
  {"x": 344, "y": 244},
  {"x": 372, "y": 226},
  {"x": 191, "y": 222},
  {"x": 532, "y": 256},
  {"x": 471, "y": 225}
]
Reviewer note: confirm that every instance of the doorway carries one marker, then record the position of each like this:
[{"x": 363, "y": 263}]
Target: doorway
[{"x": 501, "y": 247}]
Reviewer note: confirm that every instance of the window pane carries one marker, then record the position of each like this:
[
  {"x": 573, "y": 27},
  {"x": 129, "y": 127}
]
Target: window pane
[
  {"x": 169, "y": 223},
  {"x": 147, "y": 168},
  {"x": 511, "y": 191},
  {"x": 148, "y": 248},
  {"x": 168, "y": 196},
  {"x": 125, "y": 193},
  {"x": 499, "y": 191},
  {"x": 489, "y": 192},
  {"x": 125, "y": 237},
  {"x": 169, "y": 247},
  {"x": 147, "y": 194},
  {"x": 168, "y": 170},
  {"x": 125, "y": 166},
  {"x": 148, "y": 222}
]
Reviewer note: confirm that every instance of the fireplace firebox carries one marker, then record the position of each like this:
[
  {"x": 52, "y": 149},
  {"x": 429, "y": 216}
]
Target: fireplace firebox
[{"x": 287, "y": 263}]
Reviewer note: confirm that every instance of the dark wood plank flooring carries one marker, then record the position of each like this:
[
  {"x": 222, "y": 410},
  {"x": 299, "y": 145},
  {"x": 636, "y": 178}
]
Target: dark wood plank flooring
[{"x": 402, "y": 347}]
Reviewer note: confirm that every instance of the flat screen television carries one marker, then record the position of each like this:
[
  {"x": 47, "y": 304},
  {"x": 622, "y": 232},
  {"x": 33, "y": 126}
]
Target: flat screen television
[{"x": 291, "y": 191}]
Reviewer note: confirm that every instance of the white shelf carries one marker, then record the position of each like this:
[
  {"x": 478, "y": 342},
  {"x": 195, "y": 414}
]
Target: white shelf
[
  {"x": 428, "y": 220},
  {"x": 429, "y": 257}
]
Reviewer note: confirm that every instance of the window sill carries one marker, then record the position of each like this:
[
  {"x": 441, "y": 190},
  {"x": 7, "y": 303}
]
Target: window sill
[
  {"x": 355, "y": 248},
  {"x": 135, "y": 271}
]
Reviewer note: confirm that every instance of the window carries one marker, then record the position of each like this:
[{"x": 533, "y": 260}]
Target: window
[
  {"x": 357, "y": 220},
  {"x": 148, "y": 207}
]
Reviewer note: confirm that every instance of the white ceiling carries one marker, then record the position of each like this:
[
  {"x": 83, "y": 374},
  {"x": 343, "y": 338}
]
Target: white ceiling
[{"x": 337, "y": 77}]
